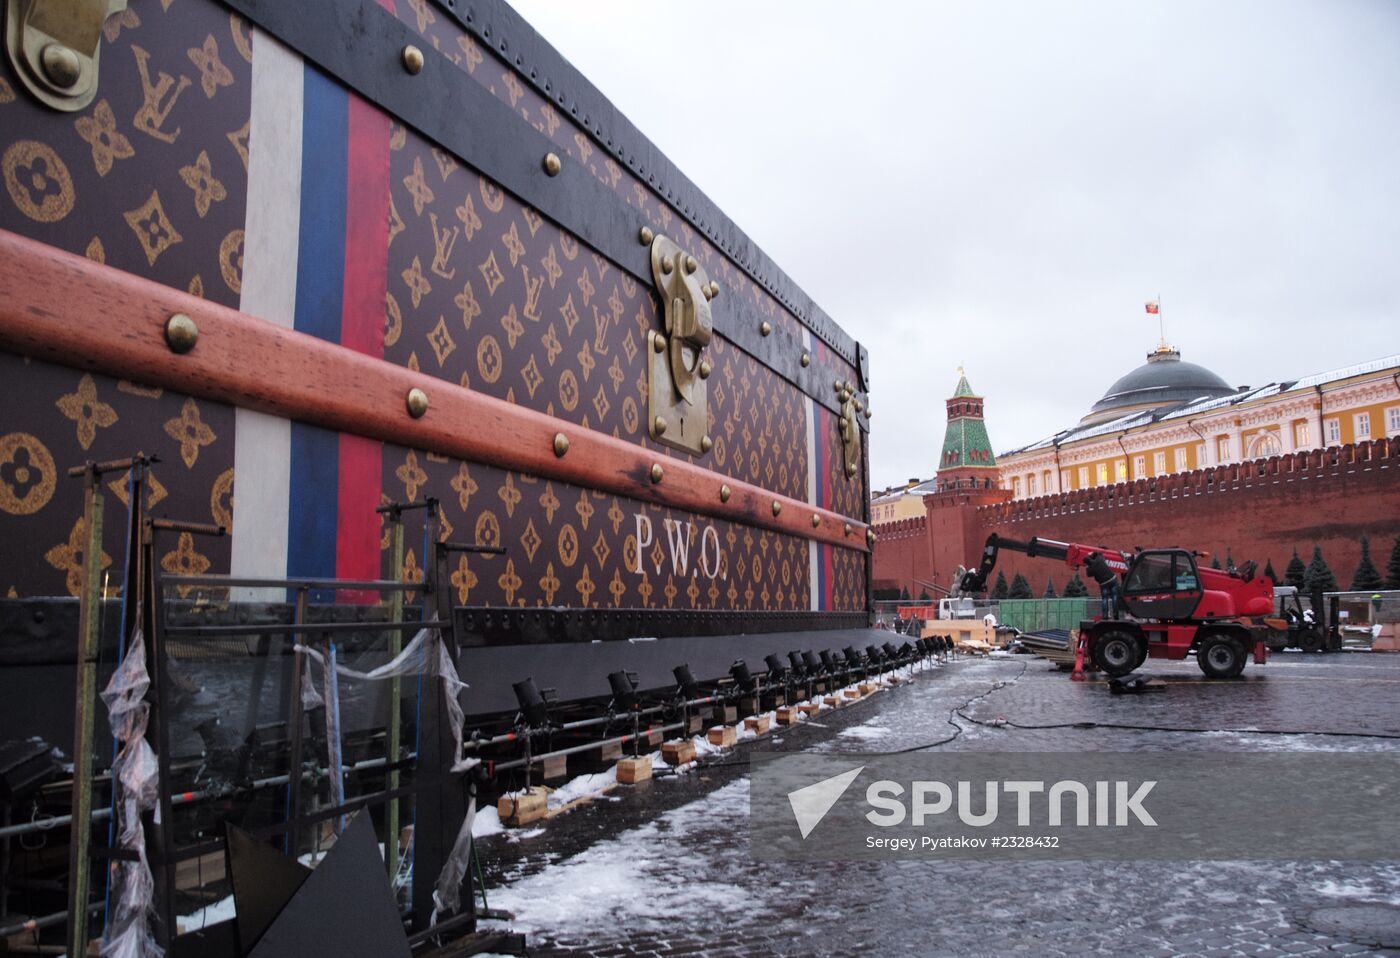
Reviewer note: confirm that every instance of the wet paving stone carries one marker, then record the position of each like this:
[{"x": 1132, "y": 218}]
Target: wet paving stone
[{"x": 664, "y": 868}]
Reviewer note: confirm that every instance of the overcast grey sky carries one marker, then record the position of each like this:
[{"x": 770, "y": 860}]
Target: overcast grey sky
[{"x": 1004, "y": 184}]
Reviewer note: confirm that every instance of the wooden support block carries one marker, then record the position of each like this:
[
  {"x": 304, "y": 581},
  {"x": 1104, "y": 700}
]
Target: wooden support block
[
  {"x": 525, "y": 807},
  {"x": 747, "y": 705},
  {"x": 895, "y": 680},
  {"x": 630, "y": 771},
  {"x": 610, "y": 752},
  {"x": 851, "y": 693},
  {"x": 723, "y": 736},
  {"x": 727, "y": 715},
  {"x": 555, "y": 768},
  {"x": 694, "y": 725},
  {"x": 810, "y": 708},
  {"x": 867, "y": 688},
  {"x": 757, "y": 724},
  {"x": 678, "y": 753},
  {"x": 788, "y": 715},
  {"x": 651, "y": 738},
  {"x": 834, "y": 701}
]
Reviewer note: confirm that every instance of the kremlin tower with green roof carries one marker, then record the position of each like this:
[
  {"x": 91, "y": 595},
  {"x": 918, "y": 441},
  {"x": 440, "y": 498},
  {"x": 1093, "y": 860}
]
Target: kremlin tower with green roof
[{"x": 967, "y": 450}]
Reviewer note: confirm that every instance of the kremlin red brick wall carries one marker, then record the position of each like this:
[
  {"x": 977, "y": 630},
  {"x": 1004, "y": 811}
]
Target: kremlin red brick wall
[{"x": 1259, "y": 510}]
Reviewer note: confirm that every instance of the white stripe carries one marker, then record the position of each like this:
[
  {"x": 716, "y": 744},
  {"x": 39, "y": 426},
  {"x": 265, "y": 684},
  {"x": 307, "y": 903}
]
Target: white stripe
[
  {"x": 813, "y": 551},
  {"x": 262, "y": 443}
]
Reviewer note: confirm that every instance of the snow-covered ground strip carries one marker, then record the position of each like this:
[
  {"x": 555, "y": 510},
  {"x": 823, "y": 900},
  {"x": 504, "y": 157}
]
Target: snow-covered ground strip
[{"x": 649, "y": 868}]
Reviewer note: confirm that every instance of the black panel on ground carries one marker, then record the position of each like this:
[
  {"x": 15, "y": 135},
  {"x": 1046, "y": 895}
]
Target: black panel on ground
[
  {"x": 346, "y": 908},
  {"x": 264, "y": 880}
]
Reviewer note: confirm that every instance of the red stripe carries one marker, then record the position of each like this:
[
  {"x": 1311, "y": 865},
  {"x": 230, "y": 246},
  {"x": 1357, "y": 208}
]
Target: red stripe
[
  {"x": 362, "y": 329},
  {"x": 828, "y": 431}
]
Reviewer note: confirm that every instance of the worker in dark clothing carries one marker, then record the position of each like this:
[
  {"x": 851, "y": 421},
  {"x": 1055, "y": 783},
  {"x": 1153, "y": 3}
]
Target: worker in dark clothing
[{"x": 1107, "y": 579}]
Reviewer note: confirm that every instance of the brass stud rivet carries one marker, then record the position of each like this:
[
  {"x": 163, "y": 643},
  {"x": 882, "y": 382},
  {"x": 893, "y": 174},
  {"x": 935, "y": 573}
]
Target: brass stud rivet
[
  {"x": 413, "y": 59},
  {"x": 858, "y": 406},
  {"x": 690, "y": 264},
  {"x": 765, "y": 327},
  {"x": 714, "y": 289},
  {"x": 706, "y": 291},
  {"x": 837, "y": 385},
  {"x": 181, "y": 333},
  {"x": 60, "y": 65},
  {"x": 646, "y": 236},
  {"x": 561, "y": 444},
  {"x": 870, "y": 536},
  {"x": 848, "y": 528},
  {"x": 658, "y": 342},
  {"x": 659, "y": 426},
  {"x": 552, "y": 166},
  {"x": 724, "y": 493},
  {"x": 806, "y": 360},
  {"x": 777, "y": 507},
  {"x": 656, "y": 472},
  {"x": 705, "y": 369},
  {"x": 417, "y": 402},
  {"x": 816, "y": 520},
  {"x": 868, "y": 413},
  {"x": 706, "y": 443},
  {"x": 667, "y": 264}
]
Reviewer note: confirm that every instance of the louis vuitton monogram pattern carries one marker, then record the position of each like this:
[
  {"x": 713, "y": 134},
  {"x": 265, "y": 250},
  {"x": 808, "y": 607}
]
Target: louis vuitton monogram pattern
[
  {"x": 576, "y": 547},
  {"x": 150, "y": 178},
  {"x": 551, "y": 119},
  {"x": 55, "y": 418},
  {"x": 485, "y": 292}
]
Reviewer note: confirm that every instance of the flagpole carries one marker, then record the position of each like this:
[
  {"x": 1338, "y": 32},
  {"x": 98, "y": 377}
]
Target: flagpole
[{"x": 1161, "y": 329}]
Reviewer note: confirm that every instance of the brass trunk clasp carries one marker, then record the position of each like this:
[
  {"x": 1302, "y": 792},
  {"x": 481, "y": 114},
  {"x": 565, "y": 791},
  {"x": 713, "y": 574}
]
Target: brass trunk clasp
[
  {"x": 53, "y": 46},
  {"x": 850, "y": 429},
  {"x": 678, "y": 395}
]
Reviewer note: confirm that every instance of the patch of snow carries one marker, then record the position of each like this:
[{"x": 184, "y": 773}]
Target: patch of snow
[
  {"x": 866, "y": 732},
  {"x": 650, "y": 868}
]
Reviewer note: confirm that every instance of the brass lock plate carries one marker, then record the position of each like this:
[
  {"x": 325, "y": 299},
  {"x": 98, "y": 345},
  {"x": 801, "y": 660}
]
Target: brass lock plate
[
  {"x": 53, "y": 46},
  {"x": 849, "y": 425},
  {"x": 678, "y": 394}
]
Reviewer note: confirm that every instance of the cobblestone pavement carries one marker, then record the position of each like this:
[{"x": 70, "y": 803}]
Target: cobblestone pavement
[{"x": 663, "y": 868}]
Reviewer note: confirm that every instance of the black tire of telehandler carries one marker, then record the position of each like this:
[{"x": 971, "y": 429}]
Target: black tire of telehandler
[
  {"x": 1117, "y": 652},
  {"x": 1221, "y": 656},
  {"x": 1311, "y": 640}
]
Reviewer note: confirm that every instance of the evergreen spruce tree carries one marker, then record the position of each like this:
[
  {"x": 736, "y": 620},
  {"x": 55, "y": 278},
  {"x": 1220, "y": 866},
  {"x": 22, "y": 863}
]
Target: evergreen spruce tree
[
  {"x": 1293, "y": 575},
  {"x": 904, "y": 594},
  {"x": 1319, "y": 574},
  {"x": 1074, "y": 588},
  {"x": 1020, "y": 588},
  {"x": 1001, "y": 590},
  {"x": 1392, "y": 568},
  {"x": 1215, "y": 562},
  {"x": 1050, "y": 588},
  {"x": 1367, "y": 578},
  {"x": 923, "y": 595},
  {"x": 1269, "y": 572}
]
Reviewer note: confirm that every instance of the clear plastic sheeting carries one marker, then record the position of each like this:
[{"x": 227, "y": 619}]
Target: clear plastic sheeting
[
  {"x": 426, "y": 655},
  {"x": 135, "y": 772},
  {"x": 447, "y": 892}
]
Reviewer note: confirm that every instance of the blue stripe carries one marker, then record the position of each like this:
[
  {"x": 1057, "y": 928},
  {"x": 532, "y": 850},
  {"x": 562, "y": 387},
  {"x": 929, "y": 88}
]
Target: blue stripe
[{"x": 315, "y": 452}]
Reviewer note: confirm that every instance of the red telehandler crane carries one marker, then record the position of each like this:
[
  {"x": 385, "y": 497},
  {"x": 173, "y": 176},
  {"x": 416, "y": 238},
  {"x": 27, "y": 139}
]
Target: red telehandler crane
[{"x": 1175, "y": 605}]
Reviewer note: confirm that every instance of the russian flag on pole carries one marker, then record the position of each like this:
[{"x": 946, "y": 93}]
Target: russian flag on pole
[{"x": 1153, "y": 308}]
